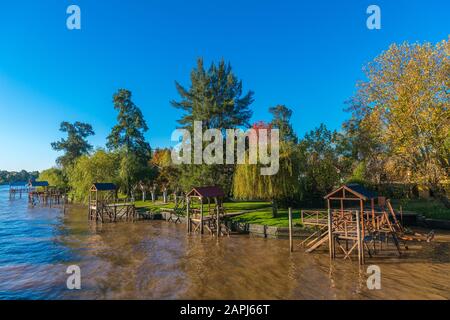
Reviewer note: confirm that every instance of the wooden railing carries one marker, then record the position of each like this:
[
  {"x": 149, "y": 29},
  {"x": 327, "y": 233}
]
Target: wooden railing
[{"x": 314, "y": 217}]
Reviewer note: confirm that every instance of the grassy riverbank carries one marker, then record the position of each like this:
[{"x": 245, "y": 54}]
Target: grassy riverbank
[
  {"x": 230, "y": 207},
  {"x": 261, "y": 212},
  {"x": 430, "y": 208},
  {"x": 264, "y": 217}
]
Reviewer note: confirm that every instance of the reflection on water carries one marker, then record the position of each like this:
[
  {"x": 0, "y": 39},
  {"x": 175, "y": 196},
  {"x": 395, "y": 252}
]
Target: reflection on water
[{"x": 157, "y": 260}]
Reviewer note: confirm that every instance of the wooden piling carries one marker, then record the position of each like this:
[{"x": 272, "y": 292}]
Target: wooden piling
[
  {"x": 291, "y": 246},
  {"x": 188, "y": 216},
  {"x": 330, "y": 234},
  {"x": 201, "y": 216},
  {"x": 358, "y": 237},
  {"x": 218, "y": 222}
]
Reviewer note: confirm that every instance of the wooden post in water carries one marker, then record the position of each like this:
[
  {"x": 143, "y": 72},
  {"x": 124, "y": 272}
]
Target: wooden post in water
[
  {"x": 218, "y": 222},
  {"x": 201, "y": 215},
  {"x": 363, "y": 230},
  {"x": 330, "y": 230},
  {"x": 358, "y": 238},
  {"x": 89, "y": 206},
  {"x": 291, "y": 246},
  {"x": 188, "y": 217}
]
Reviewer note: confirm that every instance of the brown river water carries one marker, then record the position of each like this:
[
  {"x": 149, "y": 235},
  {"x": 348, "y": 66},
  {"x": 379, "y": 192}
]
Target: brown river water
[{"x": 158, "y": 260}]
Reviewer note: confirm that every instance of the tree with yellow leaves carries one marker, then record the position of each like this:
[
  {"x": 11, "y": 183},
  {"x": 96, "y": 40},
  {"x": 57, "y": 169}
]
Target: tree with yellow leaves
[{"x": 404, "y": 106}]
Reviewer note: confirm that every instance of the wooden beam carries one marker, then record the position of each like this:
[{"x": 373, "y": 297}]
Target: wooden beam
[
  {"x": 330, "y": 231},
  {"x": 291, "y": 246},
  {"x": 358, "y": 231},
  {"x": 218, "y": 221},
  {"x": 188, "y": 216},
  {"x": 201, "y": 215}
]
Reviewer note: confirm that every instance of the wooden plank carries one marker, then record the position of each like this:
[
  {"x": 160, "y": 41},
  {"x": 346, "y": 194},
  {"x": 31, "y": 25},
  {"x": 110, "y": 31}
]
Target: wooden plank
[
  {"x": 323, "y": 240},
  {"x": 291, "y": 247}
]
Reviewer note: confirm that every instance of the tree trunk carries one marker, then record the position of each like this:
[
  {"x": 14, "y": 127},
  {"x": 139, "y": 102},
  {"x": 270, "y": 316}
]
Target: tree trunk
[
  {"x": 165, "y": 196},
  {"x": 153, "y": 195},
  {"x": 274, "y": 208}
]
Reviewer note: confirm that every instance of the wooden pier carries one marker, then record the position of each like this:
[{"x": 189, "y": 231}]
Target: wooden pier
[
  {"x": 18, "y": 189},
  {"x": 210, "y": 220},
  {"x": 41, "y": 193},
  {"x": 46, "y": 198},
  {"x": 37, "y": 192},
  {"x": 104, "y": 205}
]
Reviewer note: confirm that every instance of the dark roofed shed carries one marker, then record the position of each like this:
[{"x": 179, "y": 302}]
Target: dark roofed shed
[
  {"x": 103, "y": 187},
  {"x": 351, "y": 192},
  {"x": 38, "y": 184},
  {"x": 207, "y": 192}
]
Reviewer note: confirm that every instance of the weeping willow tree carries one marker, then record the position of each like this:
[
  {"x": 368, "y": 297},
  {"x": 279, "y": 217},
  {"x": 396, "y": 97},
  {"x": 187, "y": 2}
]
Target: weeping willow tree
[{"x": 249, "y": 184}]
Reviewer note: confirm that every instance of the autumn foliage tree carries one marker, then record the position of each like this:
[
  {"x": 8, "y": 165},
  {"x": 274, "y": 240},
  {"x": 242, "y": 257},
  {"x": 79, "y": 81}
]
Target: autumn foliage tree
[{"x": 404, "y": 107}]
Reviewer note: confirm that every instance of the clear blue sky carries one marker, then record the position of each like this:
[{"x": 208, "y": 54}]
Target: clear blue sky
[{"x": 305, "y": 54}]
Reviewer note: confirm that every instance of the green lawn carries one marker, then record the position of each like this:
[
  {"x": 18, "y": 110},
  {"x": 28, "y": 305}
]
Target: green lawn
[
  {"x": 148, "y": 205},
  {"x": 430, "y": 208},
  {"x": 264, "y": 217},
  {"x": 230, "y": 207}
]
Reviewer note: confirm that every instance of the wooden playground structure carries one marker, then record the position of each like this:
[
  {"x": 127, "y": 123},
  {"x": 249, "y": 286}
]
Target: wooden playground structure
[
  {"x": 210, "y": 218},
  {"x": 104, "y": 205},
  {"x": 359, "y": 227}
]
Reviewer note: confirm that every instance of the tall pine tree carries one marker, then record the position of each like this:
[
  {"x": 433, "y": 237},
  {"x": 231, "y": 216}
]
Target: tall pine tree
[
  {"x": 216, "y": 98},
  {"x": 127, "y": 137}
]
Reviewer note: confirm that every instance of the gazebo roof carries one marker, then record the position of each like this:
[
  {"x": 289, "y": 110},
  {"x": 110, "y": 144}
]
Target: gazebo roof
[
  {"x": 350, "y": 192},
  {"x": 206, "y": 192},
  {"x": 38, "y": 184},
  {"x": 103, "y": 187}
]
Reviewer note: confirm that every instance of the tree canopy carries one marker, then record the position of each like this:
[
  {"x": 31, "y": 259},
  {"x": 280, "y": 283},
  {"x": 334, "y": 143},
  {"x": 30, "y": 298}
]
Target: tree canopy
[
  {"x": 404, "y": 108},
  {"x": 127, "y": 137},
  {"x": 248, "y": 183},
  {"x": 76, "y": 144},
  {"x": 215, "y": 96},
  {"x": 101, "y": 166},
  {"x": 13, "y": 176},
  {"x": 320, "y": 161},
  {"x": 128, "y": 133},
  {"x": 54, "y": 176},
  {"x": 281, "y": 120}
]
